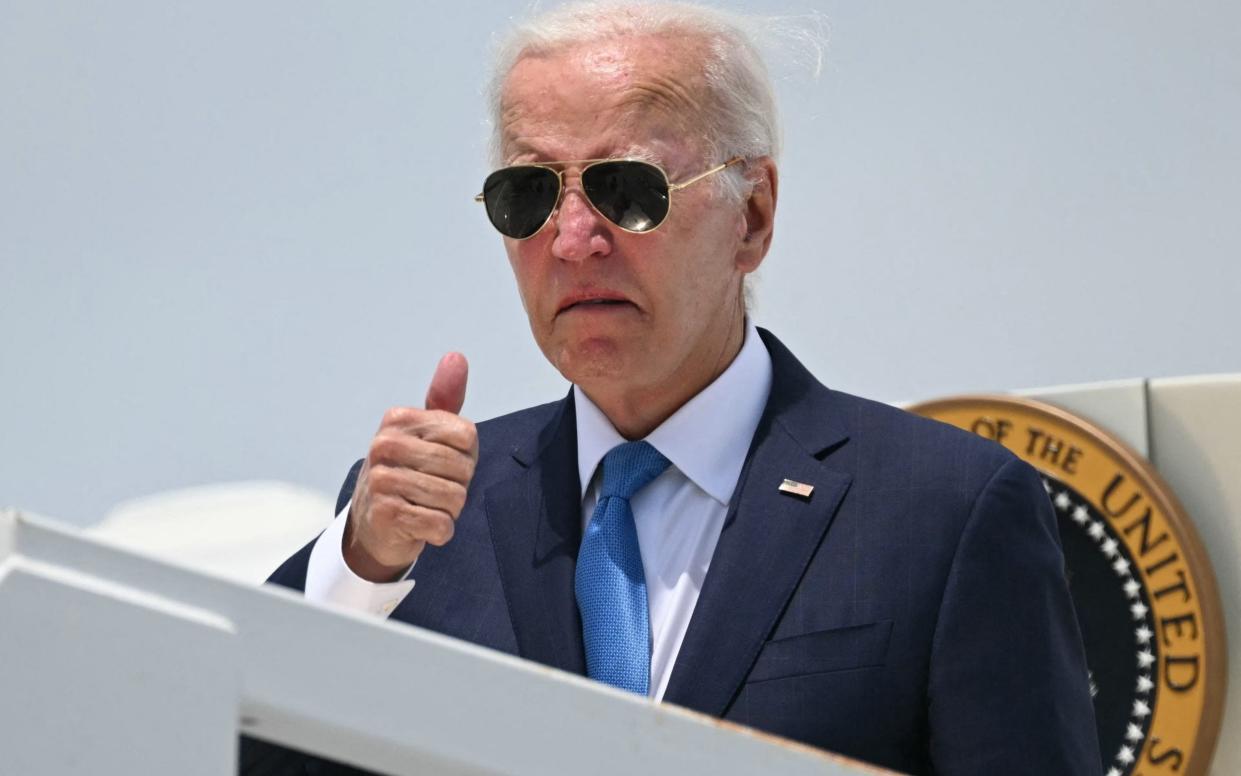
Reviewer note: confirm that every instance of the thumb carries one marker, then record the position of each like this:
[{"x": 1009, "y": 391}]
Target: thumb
[{"x": 447, "y": 391}]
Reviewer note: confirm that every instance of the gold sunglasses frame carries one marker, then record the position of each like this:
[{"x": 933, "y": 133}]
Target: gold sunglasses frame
[{"x": 586, "y": 164}]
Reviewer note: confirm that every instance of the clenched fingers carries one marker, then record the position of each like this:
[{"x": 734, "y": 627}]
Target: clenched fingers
[
  {"x": 436, "y": 426},
  {"x": 405, "y": 524},
  {"x": 396, "y": 448},
  {"x": 419, "y": 488}
]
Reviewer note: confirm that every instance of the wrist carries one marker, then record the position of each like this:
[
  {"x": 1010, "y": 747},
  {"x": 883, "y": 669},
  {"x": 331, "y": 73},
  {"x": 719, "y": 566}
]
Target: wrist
[{"x": 364, "y": 564}]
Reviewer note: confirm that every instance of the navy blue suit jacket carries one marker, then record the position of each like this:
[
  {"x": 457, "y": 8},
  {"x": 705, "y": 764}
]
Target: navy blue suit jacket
[{"x": 912, "y": 612}]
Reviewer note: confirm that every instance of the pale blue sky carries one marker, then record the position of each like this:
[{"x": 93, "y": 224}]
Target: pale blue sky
[{"x": 232, "y": 233}]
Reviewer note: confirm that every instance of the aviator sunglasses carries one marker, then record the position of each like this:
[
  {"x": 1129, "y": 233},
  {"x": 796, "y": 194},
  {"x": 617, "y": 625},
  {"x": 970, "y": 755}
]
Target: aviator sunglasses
[{"x": 634, "y": 195}]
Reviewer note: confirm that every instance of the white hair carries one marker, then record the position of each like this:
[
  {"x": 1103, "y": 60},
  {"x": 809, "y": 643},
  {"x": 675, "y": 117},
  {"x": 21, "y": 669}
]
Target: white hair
[{"x": 740, "y": 117}]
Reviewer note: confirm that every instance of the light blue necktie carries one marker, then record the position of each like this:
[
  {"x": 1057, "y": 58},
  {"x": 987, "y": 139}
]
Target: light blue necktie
[{"x": 610, "y": 583}]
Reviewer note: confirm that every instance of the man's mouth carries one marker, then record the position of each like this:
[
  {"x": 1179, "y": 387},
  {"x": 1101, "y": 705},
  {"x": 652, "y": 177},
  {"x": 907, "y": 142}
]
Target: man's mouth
[{"x": 598, "y": 303}]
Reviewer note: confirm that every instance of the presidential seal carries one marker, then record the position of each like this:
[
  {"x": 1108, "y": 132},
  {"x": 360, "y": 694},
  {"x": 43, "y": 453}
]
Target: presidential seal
[{"x": 1145, "y": 596}]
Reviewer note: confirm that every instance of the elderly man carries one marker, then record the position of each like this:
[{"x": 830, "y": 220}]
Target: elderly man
[{"x": 700, "y": 520}]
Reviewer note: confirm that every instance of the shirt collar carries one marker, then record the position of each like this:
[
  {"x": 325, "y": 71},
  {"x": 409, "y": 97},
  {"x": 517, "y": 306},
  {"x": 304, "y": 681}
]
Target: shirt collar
[{"x": 707, "y": 439}]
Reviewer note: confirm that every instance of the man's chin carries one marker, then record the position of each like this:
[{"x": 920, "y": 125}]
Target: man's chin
[{"x": 593, "y": 361}]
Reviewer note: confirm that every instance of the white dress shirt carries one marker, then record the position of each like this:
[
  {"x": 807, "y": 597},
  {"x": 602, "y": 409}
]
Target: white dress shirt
[{"x": 678, "y": 516}]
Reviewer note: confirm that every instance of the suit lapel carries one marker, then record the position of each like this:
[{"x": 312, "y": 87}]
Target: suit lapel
[
  {"x": 535, "y": 519},
  {"x": 767, "y": 541}
]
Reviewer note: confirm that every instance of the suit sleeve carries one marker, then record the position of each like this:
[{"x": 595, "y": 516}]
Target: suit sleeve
[{"x": 1008, "y": 686}]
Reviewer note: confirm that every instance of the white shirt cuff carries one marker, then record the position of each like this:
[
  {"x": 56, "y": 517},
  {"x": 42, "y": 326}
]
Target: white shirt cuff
[{"x": 329, "y": 580}]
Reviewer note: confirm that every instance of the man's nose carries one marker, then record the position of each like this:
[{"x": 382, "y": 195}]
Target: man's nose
[{"x": 580, "y": 231}]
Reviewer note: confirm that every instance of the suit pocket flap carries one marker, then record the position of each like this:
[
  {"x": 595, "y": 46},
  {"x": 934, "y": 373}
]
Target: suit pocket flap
[{"x": 838, "y": 649}]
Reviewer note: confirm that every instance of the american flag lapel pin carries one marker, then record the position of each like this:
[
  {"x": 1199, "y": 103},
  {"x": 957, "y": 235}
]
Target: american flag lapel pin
[{"x": 795, "y": 488}]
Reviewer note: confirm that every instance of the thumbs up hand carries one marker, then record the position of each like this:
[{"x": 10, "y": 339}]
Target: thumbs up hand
[{"x": 413, "y": 482}]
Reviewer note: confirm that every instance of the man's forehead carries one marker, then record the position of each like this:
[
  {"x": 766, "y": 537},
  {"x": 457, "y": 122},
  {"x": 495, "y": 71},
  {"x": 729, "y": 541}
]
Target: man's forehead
[
  {"x": 567, "y": 139},
  {"x": 631, "y": 89},
  {"x": 619, "y": 59}
]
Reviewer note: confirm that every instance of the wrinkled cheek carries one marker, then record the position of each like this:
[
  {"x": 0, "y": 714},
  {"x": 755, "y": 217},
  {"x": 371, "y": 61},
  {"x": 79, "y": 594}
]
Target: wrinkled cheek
[
  {"x": 530, "y": 287},
  {"x": 524, "y": 289},
  {"x": 540, "y": 325},
  {"x": 525, "y": 302}
]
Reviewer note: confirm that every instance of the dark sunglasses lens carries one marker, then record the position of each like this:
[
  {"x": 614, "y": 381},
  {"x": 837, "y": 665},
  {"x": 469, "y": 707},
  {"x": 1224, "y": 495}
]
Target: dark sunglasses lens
[
  {"x": 632, "y": 195},
  {"x": 519, "y": 199}
]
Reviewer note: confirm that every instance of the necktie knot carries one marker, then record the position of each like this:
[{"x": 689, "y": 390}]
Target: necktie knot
[{"x": 629, "y": 467}]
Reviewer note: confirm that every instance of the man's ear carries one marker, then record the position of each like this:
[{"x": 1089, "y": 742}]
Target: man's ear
[{"x": 759, "y": 214}]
